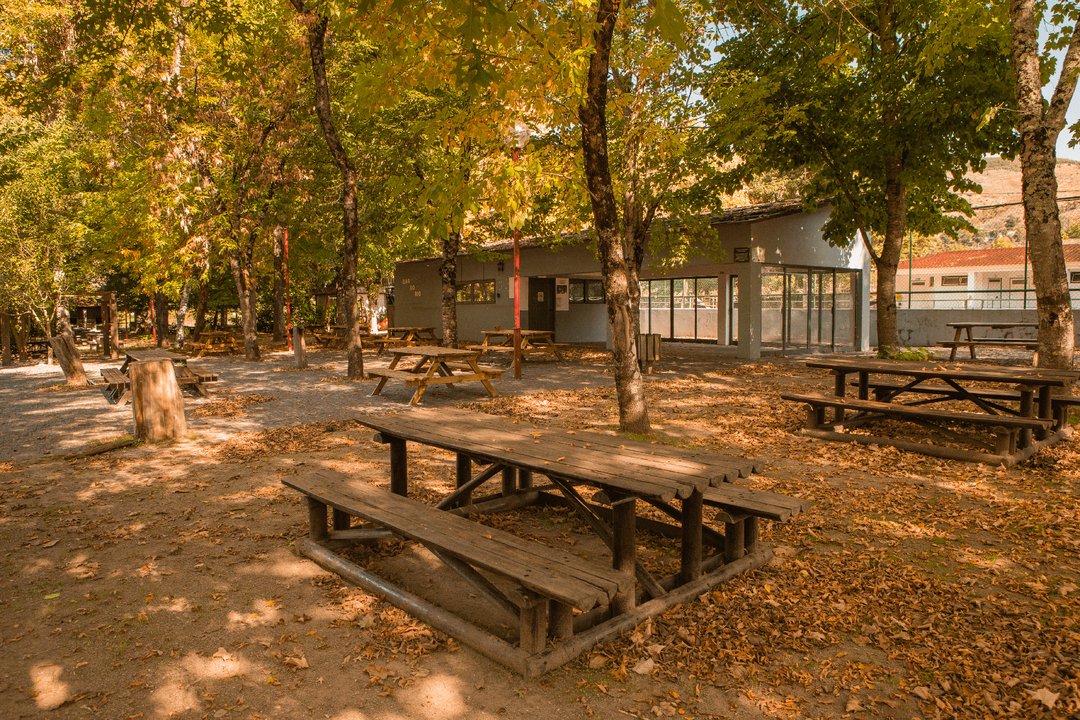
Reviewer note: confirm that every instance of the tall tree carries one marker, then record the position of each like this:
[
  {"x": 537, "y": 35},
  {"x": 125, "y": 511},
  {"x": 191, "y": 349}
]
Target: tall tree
[
  {"x": 887, "y": 102},
  {"x": 1040, "y": 123}
]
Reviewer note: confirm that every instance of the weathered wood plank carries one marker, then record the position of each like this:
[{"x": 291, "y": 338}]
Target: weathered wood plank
[
  {"x": 917, "y": 411},
  {"x": 552, "y": 573}
]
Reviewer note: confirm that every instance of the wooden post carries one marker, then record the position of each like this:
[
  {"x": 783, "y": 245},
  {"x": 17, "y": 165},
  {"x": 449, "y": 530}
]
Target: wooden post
[
  {"x": 525, "y": 479},
  {"x": 299, "y": 347},
  {"x": 68, "y": 357},
  {"x": 509, "y": 481},
  {"x": 156, "y": 401},
  {"x": 5, "y": 338},
  {"x": 399, "y": 468},
  {"x": 316, "y": 519},
  {"x": 691, "y": 537},
  {"x": 110, "y": 322},
  {"x": 624, "y": 550},
  {"x": 463, "y": 473}
]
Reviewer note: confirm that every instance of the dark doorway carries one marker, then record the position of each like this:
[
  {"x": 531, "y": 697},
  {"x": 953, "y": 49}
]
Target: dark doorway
[{"x": 542, "y": 303}]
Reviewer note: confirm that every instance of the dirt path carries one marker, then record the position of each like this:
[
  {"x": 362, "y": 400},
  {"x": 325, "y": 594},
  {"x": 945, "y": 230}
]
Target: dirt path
[{"x": 157, "y": 582}]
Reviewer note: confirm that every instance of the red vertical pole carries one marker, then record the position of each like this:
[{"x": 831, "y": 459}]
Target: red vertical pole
[
  {"x": 288, "y": 295},
  {"x": 517, "y": 300}
]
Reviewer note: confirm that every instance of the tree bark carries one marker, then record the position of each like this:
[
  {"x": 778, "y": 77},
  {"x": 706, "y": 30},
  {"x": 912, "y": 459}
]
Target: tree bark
[
  {"x": 1039, "y": 127},
  {"x": 5, "y": 339},
  {"x": 245, "y": 290},
  {"x": 157, "y": 404},
  {"x": 67, "y": 355},
  {"x": 451, "y": 246},
  {"x": 181, "y": 314},
  {"x": 350, "y": 219},
  {"x": 633, "y": 413},
  {"x": 161, "y": 318},
  {"x": 299, "y": 347},
  {"x": 21, "y": 331},
  {"x": 200, "y": 310},
  {"x": 279, "y": 284}
]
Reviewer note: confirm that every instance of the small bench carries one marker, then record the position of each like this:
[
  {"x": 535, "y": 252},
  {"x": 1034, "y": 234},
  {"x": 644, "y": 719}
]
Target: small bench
[
  {"x": 548, "y": 583},
  {"x": 188, "y": 376},
  {"x": 117, "y": 386},
  {"x": 1060, "y": 403},
  {"x": 1006, "y": 428},
  {"x": 973, "y": 343}
]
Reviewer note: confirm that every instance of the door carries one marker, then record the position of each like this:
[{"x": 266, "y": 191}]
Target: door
[{"x": 542, "y": 304}]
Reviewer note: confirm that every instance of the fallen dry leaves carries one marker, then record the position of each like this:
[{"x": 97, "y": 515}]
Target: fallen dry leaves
[{"x": 231, "y": 406}]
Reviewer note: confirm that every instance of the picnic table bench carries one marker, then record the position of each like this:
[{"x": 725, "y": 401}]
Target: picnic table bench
[
  {"x": 405, "y": 337},
  {"x": 117, "y": 385},
  {"x": 435, "y": 368},
  {"x": 971, "y": 342},
  {"x": 575, "y": 602},
  {"x": 1018, "y": 431},
  {"x": 533, "y": 342}
]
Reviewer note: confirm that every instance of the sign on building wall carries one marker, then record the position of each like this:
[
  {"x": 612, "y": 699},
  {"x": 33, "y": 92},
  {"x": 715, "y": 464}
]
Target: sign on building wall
[{"x": 562, "y": 294}]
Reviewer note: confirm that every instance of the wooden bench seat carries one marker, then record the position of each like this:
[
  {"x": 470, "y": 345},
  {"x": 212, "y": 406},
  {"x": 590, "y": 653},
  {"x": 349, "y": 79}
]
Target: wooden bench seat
[
  {"x": 542, "y": 576},
  {"x": 1025, "y": 344},
  {"x": 117, "y": 385},
  {"x": 739, "y": 500},
  {"x": 1060, "y": 403},
  {"x": 1006, "y": 428}
]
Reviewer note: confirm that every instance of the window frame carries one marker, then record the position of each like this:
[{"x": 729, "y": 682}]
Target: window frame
[
  {"x": 960, "y": 281},
  {"x": 585, "y": 299},
  {"x": 475, "y": 289}
]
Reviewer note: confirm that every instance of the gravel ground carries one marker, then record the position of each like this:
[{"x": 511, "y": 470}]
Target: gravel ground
[{"x": 39, "y": 418}]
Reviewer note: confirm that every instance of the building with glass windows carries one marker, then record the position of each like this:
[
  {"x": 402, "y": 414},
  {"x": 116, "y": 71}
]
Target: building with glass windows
[{"x": 768, "y": 282}]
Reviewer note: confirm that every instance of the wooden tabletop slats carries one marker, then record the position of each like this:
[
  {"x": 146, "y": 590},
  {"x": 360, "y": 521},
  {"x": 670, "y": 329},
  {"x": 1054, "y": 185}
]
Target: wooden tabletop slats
[
  {"x": 760, "y": 503},
  {"x": 955, "y": 371},
  {"x": 550, "y": 572},
  {"x": 636, "y": 467}
]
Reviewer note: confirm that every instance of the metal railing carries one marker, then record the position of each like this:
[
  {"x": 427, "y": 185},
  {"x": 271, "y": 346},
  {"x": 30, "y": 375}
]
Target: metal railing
[{"x": 1019, "y": 299}]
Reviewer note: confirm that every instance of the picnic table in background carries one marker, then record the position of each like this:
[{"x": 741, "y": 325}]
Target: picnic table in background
[
  {"x": 574, "y": 601},
  {"x": 215, "y": 342},
  {"x": 971, "y": 342},
  {"x": 436, "y": 366},
  {"x": 117, "y": 386},
  {"x": 405, "y": 337},
  {"x": 1020, "y": 408},
  {"x": 532, "y": 342}
]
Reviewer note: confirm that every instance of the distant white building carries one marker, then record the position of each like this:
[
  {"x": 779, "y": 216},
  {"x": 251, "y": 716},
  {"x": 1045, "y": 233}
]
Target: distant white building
[{"x": 997, "y": 278}]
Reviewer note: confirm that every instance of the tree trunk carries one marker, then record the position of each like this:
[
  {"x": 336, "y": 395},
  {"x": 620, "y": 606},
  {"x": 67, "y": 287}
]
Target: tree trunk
[
  {"x": 181, "y": 314},
  {"x": 350, "y": 219},
  {"x": 200, "y": 310},
  {"x": 63, "y": 318},
  {"x": 161, "y": 318},
  {"x": 451, "y": 245},
  {"x": 299, "y": 347},
  {"x": 245, "y": 290},
  {"x": 5, "y": 339},
  {"x": 1039, "y": 127},
  {"x": 279, "y": 284},
  {"x": 157, "y": 404},
  {"x": 633, "y": 413},
  {"x": 68, "y": 356},
  {"x": 21, "y": 331}
]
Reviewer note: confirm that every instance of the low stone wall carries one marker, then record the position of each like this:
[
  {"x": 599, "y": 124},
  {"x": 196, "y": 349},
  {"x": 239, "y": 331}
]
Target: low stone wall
[{"x": 927, "y": 328}]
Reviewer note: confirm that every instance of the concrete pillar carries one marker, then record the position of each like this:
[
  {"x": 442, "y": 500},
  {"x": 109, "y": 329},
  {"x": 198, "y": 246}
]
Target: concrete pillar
[{"x": 750, "y": 310}]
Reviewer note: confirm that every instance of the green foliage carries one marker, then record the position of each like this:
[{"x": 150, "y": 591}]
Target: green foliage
[{"x": 913, "y": 354}]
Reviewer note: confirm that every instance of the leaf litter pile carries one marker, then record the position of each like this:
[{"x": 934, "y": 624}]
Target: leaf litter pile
[{"x": 231, "y": 405}]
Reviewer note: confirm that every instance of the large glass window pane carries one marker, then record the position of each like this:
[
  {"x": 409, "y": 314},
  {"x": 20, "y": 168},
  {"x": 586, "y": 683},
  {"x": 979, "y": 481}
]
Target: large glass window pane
[{"x": 660, "y": 312}]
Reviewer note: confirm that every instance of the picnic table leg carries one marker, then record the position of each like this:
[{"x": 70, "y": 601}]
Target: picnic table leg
[
  {"x": 1026, "y": 410},
  {"x": 971, "y": 340},
  {"x": 691, "y": 537},
  {"x": 839, "y": 389},
  {"x": 1046, "y": 411},
  {"x": 379, "y": 387},
  {"x": 399, "y": 468},
  {"x": 316, "y": 519},
  {"x": 463, "y": 473},
  {"x": 509, "y": 481},
  {"x": 341, "y": 520},
  {"x": 624, "y": 550},
  {"x": 525, "y": 479}
]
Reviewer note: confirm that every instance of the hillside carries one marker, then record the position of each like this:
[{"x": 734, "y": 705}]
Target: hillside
[{"x": 1002, "y": 223}]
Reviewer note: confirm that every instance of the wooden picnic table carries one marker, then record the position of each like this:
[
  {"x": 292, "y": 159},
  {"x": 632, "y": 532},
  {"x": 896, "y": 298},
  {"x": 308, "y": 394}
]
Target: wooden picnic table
[
  {"x": 532, "y": 342},
  {"x": 971, "y": 342},
  {"x": 619, "y": 475},
  {"x": 436, "y": 366},
  {"x": 117, "y": 386},
  {"x": 215, "y": 341},
  {"x": 337, "y": 336},
  {"x": 1017, "y": 405}
]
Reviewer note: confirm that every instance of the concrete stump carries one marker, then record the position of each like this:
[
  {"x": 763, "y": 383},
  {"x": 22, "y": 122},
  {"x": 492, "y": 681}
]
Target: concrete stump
[{"x": 157, "y": 404}]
